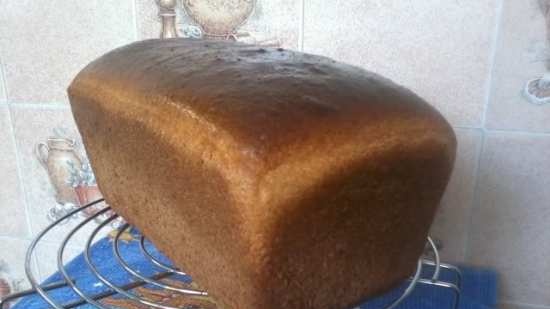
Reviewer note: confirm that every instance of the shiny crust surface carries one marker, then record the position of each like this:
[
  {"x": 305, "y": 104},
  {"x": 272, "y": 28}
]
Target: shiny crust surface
[{"x": 277, "y": 179}]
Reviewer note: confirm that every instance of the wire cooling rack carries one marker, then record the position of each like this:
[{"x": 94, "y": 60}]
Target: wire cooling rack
[{"x": 106, "y": 217}]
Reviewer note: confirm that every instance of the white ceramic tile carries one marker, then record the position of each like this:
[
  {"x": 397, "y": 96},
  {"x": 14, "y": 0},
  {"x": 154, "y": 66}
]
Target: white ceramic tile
[
  {"x": 13, "y": 220},
  {"x": 12, "y": 262},
  {"x": 45, "y": 43},
  {"x": 453, "y": 218},
  {"x": 521, "y": 55},
  {"x": 510, "y": 219},
  {"x": 439, "y": 49},
  {"x": 34, "y": 125}
]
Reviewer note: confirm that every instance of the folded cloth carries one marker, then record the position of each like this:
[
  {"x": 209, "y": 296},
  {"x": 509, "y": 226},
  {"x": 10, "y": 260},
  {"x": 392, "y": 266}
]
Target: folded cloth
[{"x": 478, "y": 285}]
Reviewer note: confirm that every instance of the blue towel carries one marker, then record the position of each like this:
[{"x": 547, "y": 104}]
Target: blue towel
[{"x": 478, "y": 288}]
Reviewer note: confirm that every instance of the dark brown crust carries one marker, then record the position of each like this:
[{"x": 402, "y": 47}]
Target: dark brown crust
[{"x": 276, "y": 179}]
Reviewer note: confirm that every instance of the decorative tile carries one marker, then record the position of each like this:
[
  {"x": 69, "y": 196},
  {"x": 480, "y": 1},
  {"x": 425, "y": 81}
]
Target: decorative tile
[
  {"x": 12, "y": 263},
  {"x": 13, "y": 221},
  {"x": 45, "y": 43},
  {"x": 452, "y": 221},
  {"x": 522, "y": 54},
  {"x": 32, "y": 126},
  {"x": 149, "y": 22},
  {"x": 271, "y": 20},
  {"x": 510, "y": 220},
  {"x": 440, "y": 49},
  {"x": 147, "y": 19}
]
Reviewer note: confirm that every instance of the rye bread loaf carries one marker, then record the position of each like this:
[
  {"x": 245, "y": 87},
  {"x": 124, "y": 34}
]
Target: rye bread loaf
[{"x": 277, "y": 179}]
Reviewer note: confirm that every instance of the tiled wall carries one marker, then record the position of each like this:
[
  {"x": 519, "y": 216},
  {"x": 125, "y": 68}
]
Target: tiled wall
[{"x": 470, "y": 58}]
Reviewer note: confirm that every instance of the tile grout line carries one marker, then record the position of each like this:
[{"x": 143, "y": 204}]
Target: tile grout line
[
  {"x": 302, "y": 25},
  {"x": 19, "y": 166},
  {"x": 509, "y": 131},
  {"x": 474, "y": 203},
  {"x": 26, "y": 238},
  {"x": 492, "y": 58},
  {"x": 465, "y": 127},
  {"x": 3, "y": 84},
  {"x": 523, "y": 132},
  {"x": 4, "y": 79},
  {"x": 42, "y": 242},
  {"x": 474, "y": 200},
  {"x": 22, "y": 187},
  {"x": 52, "y": 105},
  {"x": 534, "y": 306}
]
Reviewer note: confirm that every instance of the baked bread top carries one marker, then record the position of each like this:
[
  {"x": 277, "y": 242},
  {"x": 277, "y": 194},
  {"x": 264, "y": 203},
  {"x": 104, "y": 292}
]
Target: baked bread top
[{"x": 277, "y": 179}]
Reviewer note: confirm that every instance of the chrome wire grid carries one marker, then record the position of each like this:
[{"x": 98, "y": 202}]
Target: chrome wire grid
[{"x": 168, "y": 271}]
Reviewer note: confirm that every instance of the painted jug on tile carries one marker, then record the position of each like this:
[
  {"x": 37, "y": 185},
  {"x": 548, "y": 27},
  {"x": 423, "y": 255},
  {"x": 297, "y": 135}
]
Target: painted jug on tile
[{"x": 57, "y": 156}]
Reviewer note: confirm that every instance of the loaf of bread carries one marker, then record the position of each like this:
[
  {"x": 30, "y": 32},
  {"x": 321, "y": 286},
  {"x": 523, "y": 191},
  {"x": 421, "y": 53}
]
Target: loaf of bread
[{"x": 277, "y": 179}]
